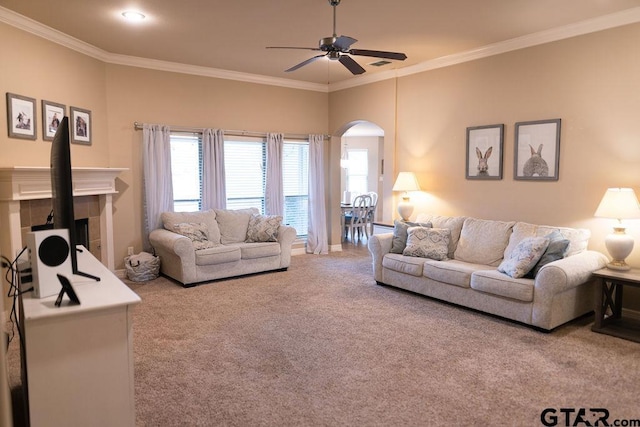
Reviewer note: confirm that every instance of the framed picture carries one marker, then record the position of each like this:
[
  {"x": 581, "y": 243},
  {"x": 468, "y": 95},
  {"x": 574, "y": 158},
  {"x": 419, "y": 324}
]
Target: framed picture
[
  {"x": 52, "y": 113},
  {"x": 484, "y": 152},
  {"x": 21, "y": 116},
  {"x": 80, "y": 123},
  {"x": 537, "y": 150}
]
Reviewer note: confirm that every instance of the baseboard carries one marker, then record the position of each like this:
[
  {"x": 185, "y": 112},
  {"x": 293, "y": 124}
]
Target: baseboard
[
  {"x": 298, "y": 251},
  {"x": 335, "y": 248},
  {"x": 121, "y": 274}
]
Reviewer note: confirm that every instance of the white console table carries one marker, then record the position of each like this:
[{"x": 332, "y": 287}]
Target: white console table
[{"x": 77, "y": 360}]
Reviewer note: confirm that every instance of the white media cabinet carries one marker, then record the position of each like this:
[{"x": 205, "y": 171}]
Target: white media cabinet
[{"x": 77, "y": 360}]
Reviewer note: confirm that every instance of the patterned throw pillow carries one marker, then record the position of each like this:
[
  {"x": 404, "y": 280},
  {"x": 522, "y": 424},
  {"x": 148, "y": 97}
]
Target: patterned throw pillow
[
  {"x": 197, "y": 232},
  {"x": 524, "y": 256},
  {"x": 427, "y": 242},
  {"x": 556, "y": 250},
  {"x": 399, "y": 241},
  {"x": 263, "y": 228}
]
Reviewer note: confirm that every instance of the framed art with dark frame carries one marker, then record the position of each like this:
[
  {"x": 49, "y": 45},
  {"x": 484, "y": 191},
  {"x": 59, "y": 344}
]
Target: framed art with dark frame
[
  {"x": 21, "y": 117},
  {"x": 80, "y": 122},
  {"x": 537, "y": 150},
  {"x": 52, "y": 113},
  {"x": 484, "y": 152}
]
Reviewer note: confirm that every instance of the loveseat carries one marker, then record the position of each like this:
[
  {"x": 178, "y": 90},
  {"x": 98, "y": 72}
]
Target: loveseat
[
  {"x": 197, "y": 247},
  {"x": 533, "y": 274}
]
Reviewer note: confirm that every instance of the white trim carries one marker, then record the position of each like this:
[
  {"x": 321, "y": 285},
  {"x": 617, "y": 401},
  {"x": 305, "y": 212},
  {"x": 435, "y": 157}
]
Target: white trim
[
  {"x": 335, "y": 248},
  {"x": 631, "y": 314},
  {"x": 624, "y": 17}
]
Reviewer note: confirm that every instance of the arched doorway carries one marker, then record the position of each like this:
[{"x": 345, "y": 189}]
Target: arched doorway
[{"x": 361, "y": 161}]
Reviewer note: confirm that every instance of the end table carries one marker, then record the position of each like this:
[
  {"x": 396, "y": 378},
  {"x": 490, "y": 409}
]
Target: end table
[{"x": 608, "y": 300}]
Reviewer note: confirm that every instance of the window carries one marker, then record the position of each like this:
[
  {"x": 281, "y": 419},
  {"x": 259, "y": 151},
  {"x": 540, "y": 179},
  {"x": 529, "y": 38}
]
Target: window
[
  {"x": 186, "y": 169},
  {"x": 358, "y": 171},
  {"x": 245, "y": 175}
]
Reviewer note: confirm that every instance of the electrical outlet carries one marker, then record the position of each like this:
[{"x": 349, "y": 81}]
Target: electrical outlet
[{"x": 130, "y": 250}]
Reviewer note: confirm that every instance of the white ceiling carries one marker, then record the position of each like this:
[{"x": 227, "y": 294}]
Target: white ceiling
[{"x": 231, "y": 36}]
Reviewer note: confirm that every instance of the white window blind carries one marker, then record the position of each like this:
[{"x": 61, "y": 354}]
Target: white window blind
[
  {"x": 244, "y": 162},
  {"x": 186, "y": 168},
  {"x": 295, "y": 170}
]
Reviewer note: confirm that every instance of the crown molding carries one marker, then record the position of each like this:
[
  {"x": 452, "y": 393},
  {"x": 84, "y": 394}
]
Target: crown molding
[{"x": 625, "y": 17}]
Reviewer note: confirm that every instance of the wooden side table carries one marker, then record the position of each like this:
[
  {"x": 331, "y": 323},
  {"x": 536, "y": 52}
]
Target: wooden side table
[{"x": 608, "y": 300}]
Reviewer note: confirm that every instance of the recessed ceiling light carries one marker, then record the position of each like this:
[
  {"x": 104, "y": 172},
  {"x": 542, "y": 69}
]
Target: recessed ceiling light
[{"x": 132, "y": 15}]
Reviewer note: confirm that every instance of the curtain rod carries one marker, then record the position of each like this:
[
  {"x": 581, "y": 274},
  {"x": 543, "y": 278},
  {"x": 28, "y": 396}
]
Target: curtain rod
[{"x": 139, "y": 126}]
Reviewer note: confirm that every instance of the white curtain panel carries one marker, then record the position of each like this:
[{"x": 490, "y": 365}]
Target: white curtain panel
[
  {"x": 317, "y": 238},
  {"x": 274, "y": 191},
  {"x": 214, "y": 193},
  {"x": 157, "y": 177}
]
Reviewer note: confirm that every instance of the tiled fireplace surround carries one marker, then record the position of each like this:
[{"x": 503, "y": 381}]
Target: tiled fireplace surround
[{"x": 25, "y": 200}]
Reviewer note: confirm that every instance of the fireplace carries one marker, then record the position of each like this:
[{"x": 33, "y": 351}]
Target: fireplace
[
  {"x": 25, "y": 200},
  {"x": 36, "y": 215}
]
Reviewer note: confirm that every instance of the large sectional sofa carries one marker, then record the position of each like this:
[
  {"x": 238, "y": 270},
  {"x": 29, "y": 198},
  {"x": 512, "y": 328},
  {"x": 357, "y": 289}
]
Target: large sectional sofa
[
  {"x": 466, "y": 269},
  {"x": 197, "y": 247}
]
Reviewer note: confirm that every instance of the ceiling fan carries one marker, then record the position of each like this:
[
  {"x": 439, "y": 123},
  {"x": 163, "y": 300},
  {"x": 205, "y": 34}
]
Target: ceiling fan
[{"x": 338, "y": 48}]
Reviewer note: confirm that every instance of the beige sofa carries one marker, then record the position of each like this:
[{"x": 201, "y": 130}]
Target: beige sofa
[
  {"x": 562, "y": 290},
  {"x": 197, "y": 247}
]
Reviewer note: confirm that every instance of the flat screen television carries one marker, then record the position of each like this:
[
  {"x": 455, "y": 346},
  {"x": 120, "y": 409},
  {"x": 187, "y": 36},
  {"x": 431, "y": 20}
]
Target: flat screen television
[{"x": 62, "y": 190}]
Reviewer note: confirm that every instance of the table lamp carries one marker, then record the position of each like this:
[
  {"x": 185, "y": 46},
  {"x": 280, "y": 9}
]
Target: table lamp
[
  {"x": 406, "y": 181},
  {"x": 619, "y": 203}
]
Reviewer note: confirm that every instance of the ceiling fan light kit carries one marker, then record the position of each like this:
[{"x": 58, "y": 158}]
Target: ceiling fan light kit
[{"x": 338, "y": 49}]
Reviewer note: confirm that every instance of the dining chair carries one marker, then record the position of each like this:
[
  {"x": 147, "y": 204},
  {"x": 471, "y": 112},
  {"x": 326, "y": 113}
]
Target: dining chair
[
  {"x": 356, "y": 220},
  {"x": 371, "y": 215}
]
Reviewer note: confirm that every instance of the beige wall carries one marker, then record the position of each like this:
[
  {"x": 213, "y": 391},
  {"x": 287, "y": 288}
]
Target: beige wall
[{"x": 590, "y": 82}]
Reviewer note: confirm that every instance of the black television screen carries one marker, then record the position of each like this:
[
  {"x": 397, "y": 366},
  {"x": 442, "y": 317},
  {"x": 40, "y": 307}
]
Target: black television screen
[{"x": 62, "y": 189}]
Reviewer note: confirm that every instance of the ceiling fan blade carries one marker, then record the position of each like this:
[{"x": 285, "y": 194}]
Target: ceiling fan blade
[
  {"x": 344, "y": 42},
  {"x": 379, "y": 54},
  {"x": 303, "y": 63},
  {"x": 292, "y": 47},
  {"x": 351, "y": 65}
]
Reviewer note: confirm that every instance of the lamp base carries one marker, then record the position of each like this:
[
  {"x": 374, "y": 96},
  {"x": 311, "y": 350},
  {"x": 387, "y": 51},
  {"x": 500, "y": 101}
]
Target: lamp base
[
  {"x": 618, "y": 265},
  {"x": 619, "y": 245},
  {"x": 405, "y": 209}
]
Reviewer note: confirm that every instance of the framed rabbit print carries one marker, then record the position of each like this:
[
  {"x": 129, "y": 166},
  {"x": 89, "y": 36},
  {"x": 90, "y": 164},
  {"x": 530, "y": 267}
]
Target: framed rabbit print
[
  {"x": 537, "y": 150},
  {"x": 484, "y": 152}
]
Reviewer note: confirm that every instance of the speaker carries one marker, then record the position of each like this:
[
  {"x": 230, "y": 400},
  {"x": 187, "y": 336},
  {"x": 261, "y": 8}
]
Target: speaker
[{"x": 50, "y": 255}]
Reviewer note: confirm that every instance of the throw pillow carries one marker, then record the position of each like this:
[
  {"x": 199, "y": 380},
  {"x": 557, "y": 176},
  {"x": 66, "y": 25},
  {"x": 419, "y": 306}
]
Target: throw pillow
[
  {"x": 425, "y": 242},
  {"x": 399, "y": 241},
  {"x": 524, "y": 256},
  {"x": 263, "y": 228},
  {"x": 233, "y": 224},
  {"x": 556, "y": 250},
  {"x": 196, "y": 232}
]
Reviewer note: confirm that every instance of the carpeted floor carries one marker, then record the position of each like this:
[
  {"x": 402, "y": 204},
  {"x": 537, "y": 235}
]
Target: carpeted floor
[{"x": 322, "y": 345}]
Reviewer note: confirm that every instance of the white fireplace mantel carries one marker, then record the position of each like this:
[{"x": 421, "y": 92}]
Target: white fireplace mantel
[{"x": 30, "y": 183}]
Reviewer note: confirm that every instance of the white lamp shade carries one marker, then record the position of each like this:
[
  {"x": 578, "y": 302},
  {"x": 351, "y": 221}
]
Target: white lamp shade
[
  {"x": 406, "y": 181},
  {"x": 619, "y": 203}
]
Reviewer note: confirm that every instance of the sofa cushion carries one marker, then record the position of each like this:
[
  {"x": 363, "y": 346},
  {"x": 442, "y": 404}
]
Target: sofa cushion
[
  {"x": 556, "y": 250},
  {"x": 497, "y": 283},
  {"x": 452, "y": 272},
  {"x": 170, "y": 219},
  {"x": 453, "y": 223},
  {"x": 234, "y": 224},
  {"x": 263, "y": 228},
  {"x": 258, "y": 250},
  {"x": 483, "y": 241},
  {"x": 524, "y": 256},
  {"x": 578, "y": 237},
  {"x": 217, "y": 255},
  {"x": 400, "y": 234},
  {"x": 403, "y": 264},
  {"x": 427, "y": 242},
  {"x": 196, "y": 232}
]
